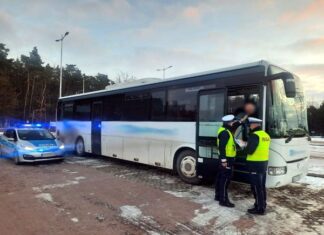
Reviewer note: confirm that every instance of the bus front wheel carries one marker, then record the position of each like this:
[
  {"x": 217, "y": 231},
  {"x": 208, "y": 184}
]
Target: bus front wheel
[
  {"x": 79, "y": 147},
  {"x": 186, "y": 166}
]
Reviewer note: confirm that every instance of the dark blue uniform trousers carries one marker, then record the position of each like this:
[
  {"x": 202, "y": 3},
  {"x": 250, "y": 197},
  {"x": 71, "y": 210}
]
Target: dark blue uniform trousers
[
  {"x": 223, "y": 180},
  {"x": 258, "y": 173}
]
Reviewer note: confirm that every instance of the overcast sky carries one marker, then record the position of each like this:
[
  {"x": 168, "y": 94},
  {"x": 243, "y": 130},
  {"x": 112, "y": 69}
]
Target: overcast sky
[{"x": 140, "y": 36}]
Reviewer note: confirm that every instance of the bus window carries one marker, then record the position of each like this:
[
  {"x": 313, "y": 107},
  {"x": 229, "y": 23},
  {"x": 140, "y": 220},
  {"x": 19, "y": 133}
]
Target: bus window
[
  {"x": 113, "y": 107},
  {"x": 235, "y": 103},
  {"x": 182, "y": 104},
  {"x": 237, "y": 97},
  {"x": 68, "y": 111},
  {"x": 158, "y": 105},
  {"x": 82, "y": 112},
  {"x": 136, "y": 107}
]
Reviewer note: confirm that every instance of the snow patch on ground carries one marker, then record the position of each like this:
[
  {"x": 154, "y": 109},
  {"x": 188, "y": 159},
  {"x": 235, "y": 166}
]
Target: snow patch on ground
[
  {"x": 101, "y": 166},
  {"x": 75, "y": 220},
  {"x": 317, "y": 139},
  {"x": 69, "y": 171},
  {"x": 211, "y": 213},
  {"x": 130, "y": 212},
  {"x": 316, "y": 183},
  {"x": 80, "y": 178},
  {"x": 134, "y": 215},
  {"x": 317, "y": 147},
  {"x": 47, "y": 197},
  {"x": 85, "y": 162},
  {"x": 60, "y": 185},
  {"x": 229, "y": 220}
]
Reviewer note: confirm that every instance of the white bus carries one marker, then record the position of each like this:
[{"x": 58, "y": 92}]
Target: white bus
[{"x": 173, "y": 123}]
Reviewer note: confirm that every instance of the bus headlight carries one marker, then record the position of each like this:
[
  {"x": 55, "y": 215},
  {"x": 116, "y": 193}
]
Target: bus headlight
[
  {"x": 277, "y": 170},
  {"x": 62, "y": 146}
]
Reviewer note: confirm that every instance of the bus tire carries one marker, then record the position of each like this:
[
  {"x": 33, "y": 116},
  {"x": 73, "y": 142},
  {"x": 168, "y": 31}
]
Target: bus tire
[
  {"x": 186, "y": 166},
  {"x": 79, "y": 147}
]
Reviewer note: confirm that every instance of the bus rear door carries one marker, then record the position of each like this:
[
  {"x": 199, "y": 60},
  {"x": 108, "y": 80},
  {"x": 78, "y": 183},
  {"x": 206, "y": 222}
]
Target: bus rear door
[
  {"x": 96, "y": 127},
  {"x": 211, "y": 106}
]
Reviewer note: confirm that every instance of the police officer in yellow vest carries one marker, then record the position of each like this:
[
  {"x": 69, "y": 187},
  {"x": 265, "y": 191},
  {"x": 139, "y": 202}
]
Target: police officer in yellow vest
[
  {"x": 227, "y": 154},
  {"x": 257, "y": 160}
]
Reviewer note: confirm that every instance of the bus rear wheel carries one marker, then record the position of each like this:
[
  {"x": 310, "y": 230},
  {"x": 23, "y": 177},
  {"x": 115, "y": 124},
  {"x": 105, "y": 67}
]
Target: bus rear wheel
[
  {"x": 186, "y": 167},
  {"x": 79, "y": 147}
]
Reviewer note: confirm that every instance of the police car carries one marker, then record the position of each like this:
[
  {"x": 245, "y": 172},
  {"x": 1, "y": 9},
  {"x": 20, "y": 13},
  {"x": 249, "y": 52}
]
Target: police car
[{"x": 30, "y": 143}]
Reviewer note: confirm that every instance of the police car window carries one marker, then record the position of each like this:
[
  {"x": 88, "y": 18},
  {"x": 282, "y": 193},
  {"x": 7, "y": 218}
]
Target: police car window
[
  {"x": 10, "y": 133},
  {"x": 35, "y": 135}
]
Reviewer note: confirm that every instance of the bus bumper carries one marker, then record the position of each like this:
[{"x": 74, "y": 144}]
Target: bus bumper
[{"x": 295, "y": 171}]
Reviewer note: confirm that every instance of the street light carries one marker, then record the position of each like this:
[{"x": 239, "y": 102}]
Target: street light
[
  {"x": 61, "y": 40},
  {"x": 164, "y": 69}
]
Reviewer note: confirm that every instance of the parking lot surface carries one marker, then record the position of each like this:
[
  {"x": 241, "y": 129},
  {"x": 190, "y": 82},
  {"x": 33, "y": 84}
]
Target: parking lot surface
[{"x": 92, "y": 195}]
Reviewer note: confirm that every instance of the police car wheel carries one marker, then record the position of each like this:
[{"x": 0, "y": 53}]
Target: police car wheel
[
  {"x": 17, "y": 162},
  {"x": 79, "y": 147},
  {"x": 186, "y": 167}
]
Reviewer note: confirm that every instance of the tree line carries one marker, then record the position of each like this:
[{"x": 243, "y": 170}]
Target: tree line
[
  {"x": 29, "y": 88},
  {"x": 316, "y": 119}
]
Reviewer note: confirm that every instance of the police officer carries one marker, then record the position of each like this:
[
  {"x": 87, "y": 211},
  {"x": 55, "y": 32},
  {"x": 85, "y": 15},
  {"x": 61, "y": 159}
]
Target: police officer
[
  {"x": 227, "y": 153},
  {"x": 257, "y": 161}
]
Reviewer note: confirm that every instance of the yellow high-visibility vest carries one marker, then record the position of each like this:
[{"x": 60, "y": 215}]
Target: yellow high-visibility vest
[
  {"x": 261, "y": 153},
  {"x": 230, "y": 150}
]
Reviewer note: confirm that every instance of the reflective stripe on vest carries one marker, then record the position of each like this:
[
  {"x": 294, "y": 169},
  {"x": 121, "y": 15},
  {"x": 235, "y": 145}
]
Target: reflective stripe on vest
[
  {"x": 262, "y": 151},
  {"x": 230, "y": 149}
]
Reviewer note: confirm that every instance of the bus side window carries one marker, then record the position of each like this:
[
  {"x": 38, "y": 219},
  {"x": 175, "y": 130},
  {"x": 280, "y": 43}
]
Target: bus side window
[
  {"x": 137, "y": 106},
  {"x": 82, "y": 111},
  {"x": 158, "y": 105},
  {"x": 235, "y": 104},
  {"x": 182, "y": 104},
  {"x": 113, "y": 107},
  {"x": 68, "y": 111}
]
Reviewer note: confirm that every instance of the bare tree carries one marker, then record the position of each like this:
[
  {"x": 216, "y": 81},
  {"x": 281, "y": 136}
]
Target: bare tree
[{"x": 122, "y": 77}]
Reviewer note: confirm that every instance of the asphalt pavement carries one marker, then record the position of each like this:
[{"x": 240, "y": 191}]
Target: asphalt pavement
[{"x": 95, "y": 195}]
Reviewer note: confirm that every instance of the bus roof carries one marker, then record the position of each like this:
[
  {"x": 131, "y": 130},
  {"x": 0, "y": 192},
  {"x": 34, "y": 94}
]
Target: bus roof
[{"x": 155, "y": 81}]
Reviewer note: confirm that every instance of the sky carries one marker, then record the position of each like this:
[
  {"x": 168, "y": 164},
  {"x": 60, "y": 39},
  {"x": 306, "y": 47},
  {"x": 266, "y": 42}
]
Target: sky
[{"x": 139, "y": 36}]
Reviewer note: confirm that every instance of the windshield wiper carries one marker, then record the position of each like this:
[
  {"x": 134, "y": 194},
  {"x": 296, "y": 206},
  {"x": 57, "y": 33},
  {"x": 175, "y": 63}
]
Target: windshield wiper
[
  {"x": 294, "y": 132},
  {"x": 291, "y": 135},
  {"x": 306, "y": 133}
]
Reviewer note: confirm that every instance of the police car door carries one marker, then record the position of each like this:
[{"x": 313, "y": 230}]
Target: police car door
[{"x": 211, "y": 108}]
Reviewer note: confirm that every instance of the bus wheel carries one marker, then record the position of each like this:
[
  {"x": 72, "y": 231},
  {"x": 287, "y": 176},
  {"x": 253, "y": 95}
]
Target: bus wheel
[
  {"x": 79, "y": 147},
  {"x": 186, "y": 167}
]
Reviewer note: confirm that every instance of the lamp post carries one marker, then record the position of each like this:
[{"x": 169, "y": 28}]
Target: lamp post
[
  {"x": 83, "y": 84},
  {"x": 164, "y": 69},
  {"x": 61, "y": 40}
]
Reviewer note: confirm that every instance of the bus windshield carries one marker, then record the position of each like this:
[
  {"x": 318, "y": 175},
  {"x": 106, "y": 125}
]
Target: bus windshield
[{"x": 287, "y": 116}]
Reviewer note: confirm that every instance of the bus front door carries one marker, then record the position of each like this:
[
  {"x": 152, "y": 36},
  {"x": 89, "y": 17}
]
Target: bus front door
[
  {"x": 96, "y": 127},
  {"x": 211, "y": 110}
]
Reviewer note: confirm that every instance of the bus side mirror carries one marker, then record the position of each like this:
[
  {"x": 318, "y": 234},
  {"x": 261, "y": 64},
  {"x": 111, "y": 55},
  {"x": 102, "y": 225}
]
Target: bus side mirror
[
  {"x": 289, "y": 83},
  {"x": 290, "y": 87}
]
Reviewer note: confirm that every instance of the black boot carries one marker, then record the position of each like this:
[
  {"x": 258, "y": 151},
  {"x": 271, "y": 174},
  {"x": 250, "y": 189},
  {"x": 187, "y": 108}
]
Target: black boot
[
  {"x": 226, "y": 203},
  {"x": 256, "y": 211},
  {"x": 216, "y": 198}
]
